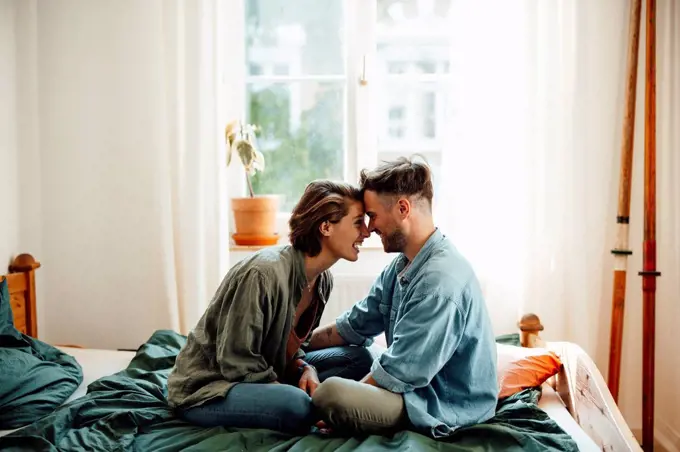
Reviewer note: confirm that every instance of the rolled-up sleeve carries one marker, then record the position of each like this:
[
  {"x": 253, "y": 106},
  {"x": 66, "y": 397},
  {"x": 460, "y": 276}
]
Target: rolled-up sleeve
[
  {"x": 361, "y": 323},
  {"x": 241, "y": 331},
  {"x": 425, "y": 337}
]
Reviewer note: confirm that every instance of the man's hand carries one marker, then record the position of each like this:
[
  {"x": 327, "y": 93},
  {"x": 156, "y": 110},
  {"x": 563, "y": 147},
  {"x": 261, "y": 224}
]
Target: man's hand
[
  {"x": 325, "y": 337},
  {"x": 309, "y": 380},
  {"x": 324, "y": 428}
]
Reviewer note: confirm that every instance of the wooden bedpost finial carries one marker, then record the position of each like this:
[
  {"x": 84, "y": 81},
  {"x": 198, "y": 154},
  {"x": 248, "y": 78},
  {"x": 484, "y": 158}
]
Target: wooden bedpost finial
[
  {"x": 529, "y": 326},
  {"x": 23, "y": 263}
]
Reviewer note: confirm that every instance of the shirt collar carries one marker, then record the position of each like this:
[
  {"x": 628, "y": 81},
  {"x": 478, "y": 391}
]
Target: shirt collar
[{"x": 407, "y": 270}]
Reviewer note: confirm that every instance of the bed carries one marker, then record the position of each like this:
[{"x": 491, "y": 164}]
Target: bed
[{"x": 124, "y": 386}]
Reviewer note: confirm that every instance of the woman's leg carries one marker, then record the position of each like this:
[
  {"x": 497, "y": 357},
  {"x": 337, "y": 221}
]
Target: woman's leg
[
  {"x": 348, "y": 361},
  {"x": 252, "y": 405}
]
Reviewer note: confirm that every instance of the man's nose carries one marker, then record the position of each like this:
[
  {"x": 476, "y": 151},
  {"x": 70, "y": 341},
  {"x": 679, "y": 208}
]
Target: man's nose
[{"x": 371, "y": 226}]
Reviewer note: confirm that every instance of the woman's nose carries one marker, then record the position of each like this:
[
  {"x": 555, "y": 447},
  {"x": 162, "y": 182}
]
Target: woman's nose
[{"x": 364, "y": 231}]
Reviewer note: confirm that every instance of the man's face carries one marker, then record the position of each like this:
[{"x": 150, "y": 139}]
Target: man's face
[{"x": 384, "y": 220}]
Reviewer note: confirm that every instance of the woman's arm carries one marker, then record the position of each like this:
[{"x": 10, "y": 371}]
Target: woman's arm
[{"x": 240, "y": 331}]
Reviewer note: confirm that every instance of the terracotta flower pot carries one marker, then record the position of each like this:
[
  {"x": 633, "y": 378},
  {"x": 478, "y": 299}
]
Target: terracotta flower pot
[{"x": 255, "y": 220}]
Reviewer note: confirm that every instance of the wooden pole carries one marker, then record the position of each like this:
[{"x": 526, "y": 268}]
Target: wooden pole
[
  {"x": 621, "y": 251},
  {"x": 649, "y": 273}
]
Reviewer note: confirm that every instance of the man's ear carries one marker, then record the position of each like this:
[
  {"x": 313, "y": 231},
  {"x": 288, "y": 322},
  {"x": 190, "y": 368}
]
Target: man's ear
[
  {"x": 404, "y": 207},
  {"x": 325, "y": 228}
]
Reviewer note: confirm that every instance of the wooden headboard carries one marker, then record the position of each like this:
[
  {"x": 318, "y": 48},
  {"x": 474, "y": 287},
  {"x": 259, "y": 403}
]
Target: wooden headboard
[{"x": 21, "y": 283}]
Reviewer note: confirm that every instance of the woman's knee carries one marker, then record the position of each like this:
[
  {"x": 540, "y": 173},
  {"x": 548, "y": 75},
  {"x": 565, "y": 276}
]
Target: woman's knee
[
  {"x": 277, "y": 407},
  {"x": 297, "y": 412}
]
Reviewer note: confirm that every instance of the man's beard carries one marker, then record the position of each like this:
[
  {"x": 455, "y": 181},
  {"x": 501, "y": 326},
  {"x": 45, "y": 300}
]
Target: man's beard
[{"x": 394, "y": 242}]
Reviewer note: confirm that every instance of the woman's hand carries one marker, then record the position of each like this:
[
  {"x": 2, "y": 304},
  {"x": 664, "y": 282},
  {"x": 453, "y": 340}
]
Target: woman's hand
[{"x": 309, "y": 380}]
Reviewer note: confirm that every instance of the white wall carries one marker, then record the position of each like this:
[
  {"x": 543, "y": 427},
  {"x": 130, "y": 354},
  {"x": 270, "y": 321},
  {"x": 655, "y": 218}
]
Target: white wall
[
  {"x": 101, "y": 93},
  {"x": 9, "y": 189}
]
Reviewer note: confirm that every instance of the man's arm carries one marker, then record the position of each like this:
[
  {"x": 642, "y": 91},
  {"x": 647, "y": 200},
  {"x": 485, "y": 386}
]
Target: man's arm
[
  {"x": 418, "y": 353},
  {"x": 324, "y": 337}
]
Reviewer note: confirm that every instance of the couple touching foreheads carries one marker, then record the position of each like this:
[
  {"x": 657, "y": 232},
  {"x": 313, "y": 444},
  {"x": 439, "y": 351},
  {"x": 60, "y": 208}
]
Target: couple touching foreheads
[{"x": 258, "y": 357}]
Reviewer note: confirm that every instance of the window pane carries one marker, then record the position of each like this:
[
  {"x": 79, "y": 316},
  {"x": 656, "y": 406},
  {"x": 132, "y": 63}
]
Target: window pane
[
  {"x": 413, "y": 36},
  {"x": 304, "y": 36},
  {"x": 411, "y": 114},
  {"x": 302, "y": 135},
  {"x": 396, "y": 57},
  {"x": 428, "y": 13},
  {"x": 413, "y": 52}
]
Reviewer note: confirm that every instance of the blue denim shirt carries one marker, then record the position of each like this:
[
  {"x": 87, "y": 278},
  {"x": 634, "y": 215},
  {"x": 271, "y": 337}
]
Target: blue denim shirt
[{"x": 441, "y": 351}]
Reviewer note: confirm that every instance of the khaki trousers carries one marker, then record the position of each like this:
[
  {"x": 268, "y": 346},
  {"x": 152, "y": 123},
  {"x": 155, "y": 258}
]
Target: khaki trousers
[{"x": 353, "y": 407}]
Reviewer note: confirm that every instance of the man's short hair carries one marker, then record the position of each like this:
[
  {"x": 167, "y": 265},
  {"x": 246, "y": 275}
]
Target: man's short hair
[
  {"x": 400, "y": 177},
  {"x": 322, "y": 200}
]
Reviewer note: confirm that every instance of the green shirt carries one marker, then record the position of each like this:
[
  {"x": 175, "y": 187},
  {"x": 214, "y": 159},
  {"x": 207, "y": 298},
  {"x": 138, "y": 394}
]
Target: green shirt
[{"x": 242, "y": 335}]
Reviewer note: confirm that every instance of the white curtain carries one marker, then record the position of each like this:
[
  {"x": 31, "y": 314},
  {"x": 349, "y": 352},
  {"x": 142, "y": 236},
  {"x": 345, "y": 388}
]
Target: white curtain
[
  {"x": 197, "y": 239},
  {"x": 531, "y": 185},
  {"x": 129, "y": 119}
]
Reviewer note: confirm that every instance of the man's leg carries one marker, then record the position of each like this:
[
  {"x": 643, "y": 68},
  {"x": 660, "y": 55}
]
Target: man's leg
[
  {"x": 352, "y": 407},
  {"x": 348, "y": 361},
  {"x": 254, "y": 405}
]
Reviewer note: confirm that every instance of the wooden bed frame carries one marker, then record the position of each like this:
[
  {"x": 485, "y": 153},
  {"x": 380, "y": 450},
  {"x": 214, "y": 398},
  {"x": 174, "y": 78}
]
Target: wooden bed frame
[
  {"x": 22, "y": 295},
  {"x": 579, "y": 383}
]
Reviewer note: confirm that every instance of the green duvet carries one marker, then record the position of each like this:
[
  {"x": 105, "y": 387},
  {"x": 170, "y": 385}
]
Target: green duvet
[
  {"x": 35, "y": 378},
  {"x": 128, "y": 412}
]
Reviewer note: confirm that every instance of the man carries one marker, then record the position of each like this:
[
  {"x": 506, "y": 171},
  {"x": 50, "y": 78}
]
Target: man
[{"x": 439, "y": 370}]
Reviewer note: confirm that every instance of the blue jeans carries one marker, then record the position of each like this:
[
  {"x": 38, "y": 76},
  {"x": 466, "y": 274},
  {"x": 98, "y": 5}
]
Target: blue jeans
[{"x": 280, "y": 406}]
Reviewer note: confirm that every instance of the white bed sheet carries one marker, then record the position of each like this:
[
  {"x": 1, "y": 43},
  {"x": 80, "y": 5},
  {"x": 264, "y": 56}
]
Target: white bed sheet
[
  {"x": 100, "y": 363},
  {"x": 96, "y": 364}
]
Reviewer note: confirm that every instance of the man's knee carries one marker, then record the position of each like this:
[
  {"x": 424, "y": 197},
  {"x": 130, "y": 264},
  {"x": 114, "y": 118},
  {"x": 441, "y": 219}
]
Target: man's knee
[
  {"x": 329, "y": 394},
  {"x": 358, "y": 407}
]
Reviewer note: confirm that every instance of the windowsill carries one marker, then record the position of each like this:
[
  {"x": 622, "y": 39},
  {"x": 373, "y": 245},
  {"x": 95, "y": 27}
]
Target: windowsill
[{"x": 245, "y": 249}]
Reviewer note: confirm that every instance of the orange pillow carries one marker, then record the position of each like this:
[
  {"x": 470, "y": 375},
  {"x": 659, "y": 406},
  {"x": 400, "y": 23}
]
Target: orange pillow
[{"x": 520, "y": 368}]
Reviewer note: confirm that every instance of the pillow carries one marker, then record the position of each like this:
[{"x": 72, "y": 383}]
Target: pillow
[{"x": 520, "y": 368}]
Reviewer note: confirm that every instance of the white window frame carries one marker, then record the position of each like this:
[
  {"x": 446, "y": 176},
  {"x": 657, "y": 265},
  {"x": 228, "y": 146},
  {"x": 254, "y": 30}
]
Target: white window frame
[
  {"x": 361, "y": 120},
  {"x": 359, "y": 152}
]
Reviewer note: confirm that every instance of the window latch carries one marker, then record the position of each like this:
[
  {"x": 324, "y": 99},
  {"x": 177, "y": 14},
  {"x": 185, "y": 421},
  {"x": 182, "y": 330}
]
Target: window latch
[{"x": 363, "y": 81}]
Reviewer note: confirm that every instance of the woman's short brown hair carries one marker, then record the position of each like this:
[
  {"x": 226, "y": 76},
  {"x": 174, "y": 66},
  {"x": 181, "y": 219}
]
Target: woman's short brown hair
[{"x": 322, "y": 200}]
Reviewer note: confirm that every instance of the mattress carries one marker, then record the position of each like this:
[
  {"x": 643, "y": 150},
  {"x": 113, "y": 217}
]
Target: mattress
[{"x": 100, "y": 363}]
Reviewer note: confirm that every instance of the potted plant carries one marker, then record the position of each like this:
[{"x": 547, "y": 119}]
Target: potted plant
[{"x": 254, "y": 216}]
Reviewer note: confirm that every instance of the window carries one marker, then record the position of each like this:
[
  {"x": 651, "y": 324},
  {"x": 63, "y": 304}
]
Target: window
[{"x": 304, "y": 63}]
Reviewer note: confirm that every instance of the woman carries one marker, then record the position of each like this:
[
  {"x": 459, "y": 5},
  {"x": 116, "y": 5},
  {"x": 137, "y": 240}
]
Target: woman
[{"x": 242, "y": 365}]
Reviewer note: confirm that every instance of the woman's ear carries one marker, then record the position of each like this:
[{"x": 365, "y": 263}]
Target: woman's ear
[{"x": 325, "y": 228}]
